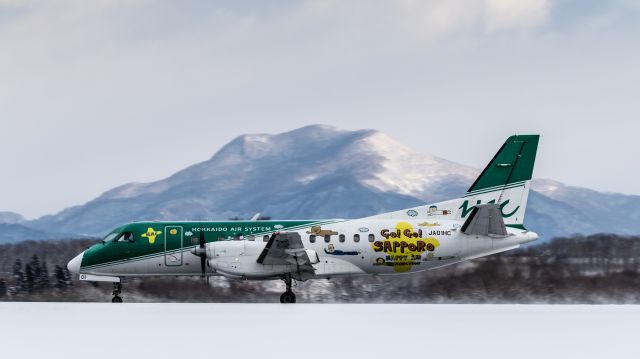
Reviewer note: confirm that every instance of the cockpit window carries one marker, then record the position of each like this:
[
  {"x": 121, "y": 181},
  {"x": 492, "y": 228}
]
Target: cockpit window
[
  {"x": 111, "y": 237},
  {"x": 119, "y": 237},
  {"x": 126, "y": 237}
]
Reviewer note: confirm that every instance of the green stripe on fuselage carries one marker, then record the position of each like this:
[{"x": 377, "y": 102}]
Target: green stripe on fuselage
[{"x": 146, "y": 247}]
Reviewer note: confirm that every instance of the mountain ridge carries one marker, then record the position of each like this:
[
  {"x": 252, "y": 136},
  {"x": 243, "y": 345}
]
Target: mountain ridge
[
  {"x": 11, "y": 217},
  {"x": 320, "y": 171}
]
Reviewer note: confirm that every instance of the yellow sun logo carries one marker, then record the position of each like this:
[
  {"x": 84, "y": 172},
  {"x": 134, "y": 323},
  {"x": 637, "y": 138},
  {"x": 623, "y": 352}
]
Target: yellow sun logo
[{"x": 151, "y": 235}]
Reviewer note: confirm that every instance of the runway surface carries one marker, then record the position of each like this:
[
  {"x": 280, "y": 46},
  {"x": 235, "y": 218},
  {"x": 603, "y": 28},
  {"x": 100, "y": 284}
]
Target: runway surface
[{"x": 90, "y": 330}]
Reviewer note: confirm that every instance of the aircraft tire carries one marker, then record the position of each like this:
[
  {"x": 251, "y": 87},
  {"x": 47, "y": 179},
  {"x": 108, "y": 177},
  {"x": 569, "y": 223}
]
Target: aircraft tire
[
  {"x": 116, "y": 299},
  {"x": 287, "y": 298}
]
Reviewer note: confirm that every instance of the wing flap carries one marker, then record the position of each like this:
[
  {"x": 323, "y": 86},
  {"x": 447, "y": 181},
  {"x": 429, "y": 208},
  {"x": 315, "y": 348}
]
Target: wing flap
[{"x": 287, "y": 248}]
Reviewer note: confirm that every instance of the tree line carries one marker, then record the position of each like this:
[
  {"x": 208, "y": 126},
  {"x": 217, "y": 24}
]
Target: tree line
[
  {"x": 34, "y": 276},
  {"x": 600, "y": 268},
  {"x": 36, "y": 270}
]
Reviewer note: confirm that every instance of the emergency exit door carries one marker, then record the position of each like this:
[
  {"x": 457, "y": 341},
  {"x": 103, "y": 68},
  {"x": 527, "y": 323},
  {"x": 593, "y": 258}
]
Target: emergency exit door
[{"x": 173, "y": 245}]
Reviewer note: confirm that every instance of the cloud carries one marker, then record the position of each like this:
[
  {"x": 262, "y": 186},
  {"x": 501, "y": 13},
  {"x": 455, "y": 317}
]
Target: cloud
[
  {"x": 431, "y": 19},
  {"x": 12, "y": 3},
  {"x": 508, "y": 14},
  {"x": 111, "y": 76}
]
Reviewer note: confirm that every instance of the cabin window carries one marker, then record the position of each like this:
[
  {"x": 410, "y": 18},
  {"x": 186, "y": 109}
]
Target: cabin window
[
  {"x": 220, "y": 238},
  {"x": 372, "y": 238},
  {"x": 237, "y": 237},
  {"x": 126, "y": 237},
  {"x": 356, "y": 237},
  {"x": 327, "y": 238},
  {"x": 265, "y": 238},
  {"x": 252, "y": 237},
  {"x": 312, "y": 238},
  {"x": 341, "y": 238}
]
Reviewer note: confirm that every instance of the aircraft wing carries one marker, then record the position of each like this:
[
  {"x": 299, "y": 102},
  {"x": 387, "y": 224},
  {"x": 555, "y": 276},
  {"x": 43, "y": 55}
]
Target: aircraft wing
[{"x": 287, "y": 248}]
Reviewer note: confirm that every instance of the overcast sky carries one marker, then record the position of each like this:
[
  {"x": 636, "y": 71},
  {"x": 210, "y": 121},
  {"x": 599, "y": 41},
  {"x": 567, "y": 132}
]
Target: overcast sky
[{"x": 94, "y": 94}]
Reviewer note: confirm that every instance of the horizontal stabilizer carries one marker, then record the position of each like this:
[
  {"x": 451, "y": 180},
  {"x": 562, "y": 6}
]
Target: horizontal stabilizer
[{"x": 485, "y": 220}]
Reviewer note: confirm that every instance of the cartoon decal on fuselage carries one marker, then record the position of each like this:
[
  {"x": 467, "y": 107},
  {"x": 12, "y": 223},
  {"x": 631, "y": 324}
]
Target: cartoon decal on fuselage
[
  {"x": 406, "y": 240},
  {"x": 434, "y": 211},
  {"x": 318, "y": 231},
  {"x": 403, "y": 248},
  {"x": 428, "y": 224},
  {"x": 331, "y": 250}
]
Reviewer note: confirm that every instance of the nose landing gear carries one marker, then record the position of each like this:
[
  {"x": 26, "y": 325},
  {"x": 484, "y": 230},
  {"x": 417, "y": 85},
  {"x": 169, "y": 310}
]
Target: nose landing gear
[
  {"x": 288, "y": 296},
  {"x": 117, "y": 289}
]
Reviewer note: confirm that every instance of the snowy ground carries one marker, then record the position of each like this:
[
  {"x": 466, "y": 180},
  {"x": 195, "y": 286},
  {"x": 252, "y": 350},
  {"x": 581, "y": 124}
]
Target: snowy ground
[{"x": 90, "y": 330}]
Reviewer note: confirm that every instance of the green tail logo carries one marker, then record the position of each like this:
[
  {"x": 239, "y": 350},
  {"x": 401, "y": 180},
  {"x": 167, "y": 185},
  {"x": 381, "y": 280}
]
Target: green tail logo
[{"x": 466, "y": 209}]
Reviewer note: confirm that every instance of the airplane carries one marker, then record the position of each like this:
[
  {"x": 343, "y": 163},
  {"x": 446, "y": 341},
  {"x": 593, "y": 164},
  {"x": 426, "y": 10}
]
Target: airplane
[{"x": 487, "y": 219}]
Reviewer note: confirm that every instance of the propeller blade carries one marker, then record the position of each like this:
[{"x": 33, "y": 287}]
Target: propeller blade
[
  {"x": 203, "y": 263},
  {"x": 203, "y": 255}
]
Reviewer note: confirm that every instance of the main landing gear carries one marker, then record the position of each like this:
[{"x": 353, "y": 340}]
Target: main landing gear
[
  {"x": 117, "y": 289},
  {"x": 288, "y": 296}
]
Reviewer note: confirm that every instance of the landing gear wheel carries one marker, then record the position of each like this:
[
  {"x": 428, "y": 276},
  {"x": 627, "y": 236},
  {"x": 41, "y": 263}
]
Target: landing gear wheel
[
  {"x": 287, "y": 298},
  {"x": 117, "y": 289}
]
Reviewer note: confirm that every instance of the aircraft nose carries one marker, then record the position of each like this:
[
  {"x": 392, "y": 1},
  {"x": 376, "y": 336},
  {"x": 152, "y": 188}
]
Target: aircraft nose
[{"x": 74, "y": 265}]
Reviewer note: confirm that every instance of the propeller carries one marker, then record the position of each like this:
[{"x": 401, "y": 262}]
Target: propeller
[{"x": 201, "y": 252}]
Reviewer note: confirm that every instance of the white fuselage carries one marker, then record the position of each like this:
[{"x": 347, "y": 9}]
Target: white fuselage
[{"x": 351, "y": 247}]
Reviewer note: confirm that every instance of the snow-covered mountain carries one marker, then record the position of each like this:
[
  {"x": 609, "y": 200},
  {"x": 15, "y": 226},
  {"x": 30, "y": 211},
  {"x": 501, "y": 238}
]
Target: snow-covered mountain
[
  {"x": 13, "y": 228},
  {"x": 14, "y": 232},
  {"x": 324, "y": 172},
  {"x": 11, "y": 217}
]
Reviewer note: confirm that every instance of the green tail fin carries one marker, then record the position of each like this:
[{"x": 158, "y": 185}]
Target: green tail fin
[{"x": 512, "y": 164}]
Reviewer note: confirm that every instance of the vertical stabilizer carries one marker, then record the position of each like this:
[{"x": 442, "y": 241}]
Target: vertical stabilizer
[{"x": 506, "y": 180}]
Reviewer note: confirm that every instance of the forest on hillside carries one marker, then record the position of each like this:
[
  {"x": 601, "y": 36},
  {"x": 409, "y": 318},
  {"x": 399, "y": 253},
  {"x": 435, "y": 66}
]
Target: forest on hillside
[{"x": 599, "y": 268}]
